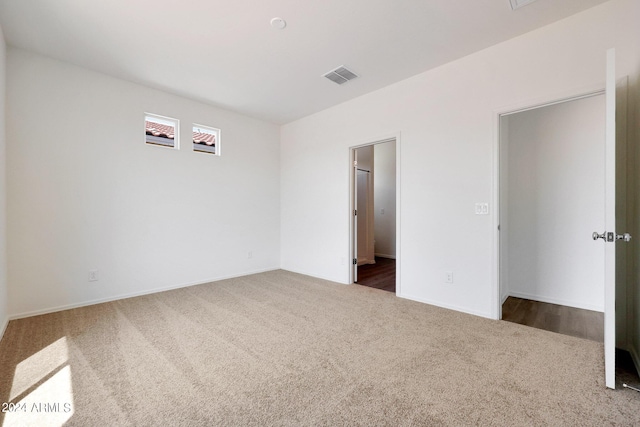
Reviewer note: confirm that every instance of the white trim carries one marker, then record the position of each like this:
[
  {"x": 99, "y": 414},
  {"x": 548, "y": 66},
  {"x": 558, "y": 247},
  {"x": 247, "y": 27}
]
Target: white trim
[
  {"x": 557, "y": 301},
  {"x": 132, "y": 295},
  {"x": 555, "y": 102},
  {"x": 385, "y": 256},
  {"x": 315, "y": 276},
  {"x": 533, "y": 103},
  {"x": 496, "y": 309},
  {"x": 3, "y": 327},
  {"x": 447, "y": 306},
  {"x": 398, "y": 214},
  {"x": 351, "y": 270},
  {"x": 392, "y": 136},
  {"x": 381, "y": 139},
  {"x": 218, "y": 138},
  {"x": 503, "y": 299},
  {"x": 176, "y": 133},
  {"x": 565, "y": 96}
]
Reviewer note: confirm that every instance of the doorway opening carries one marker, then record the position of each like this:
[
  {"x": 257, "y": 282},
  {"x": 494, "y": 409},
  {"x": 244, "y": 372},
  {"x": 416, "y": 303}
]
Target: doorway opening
[
  {"x": 617, "y": 159},
  {"x": 374, "y": 220},
  {"x": 551, "y": 198}
]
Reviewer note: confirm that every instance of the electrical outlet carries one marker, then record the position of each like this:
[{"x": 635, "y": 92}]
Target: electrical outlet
[
  {"x": 448, "y": 277},
  {"x": 482, "y": 208},
  {"x": 93, "y": 275}
]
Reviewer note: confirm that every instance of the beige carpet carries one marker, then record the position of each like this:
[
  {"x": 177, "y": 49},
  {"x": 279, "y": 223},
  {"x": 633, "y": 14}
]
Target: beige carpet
[{"x": 280, "y": 348}]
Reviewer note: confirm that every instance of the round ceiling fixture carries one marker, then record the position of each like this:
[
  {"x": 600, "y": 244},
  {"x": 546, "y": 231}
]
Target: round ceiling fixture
[{"x": 278, "y": 23}]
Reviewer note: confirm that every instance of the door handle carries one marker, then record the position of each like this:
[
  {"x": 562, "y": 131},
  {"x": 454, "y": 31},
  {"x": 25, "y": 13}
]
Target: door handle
[
  {"x": 626, "y": 237},
  {"x": 611, "y": 237}
]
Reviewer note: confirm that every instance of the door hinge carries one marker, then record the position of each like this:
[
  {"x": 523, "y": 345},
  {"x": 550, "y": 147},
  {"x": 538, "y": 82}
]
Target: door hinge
[
  {"x": 355, "y": 261},
  {"x": 355, "y": 212}
]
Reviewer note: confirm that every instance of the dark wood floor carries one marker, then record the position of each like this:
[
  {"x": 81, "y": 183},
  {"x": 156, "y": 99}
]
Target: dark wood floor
[
  {"x": 381, "y": 275},
  {"x": 555, "y": 318}
]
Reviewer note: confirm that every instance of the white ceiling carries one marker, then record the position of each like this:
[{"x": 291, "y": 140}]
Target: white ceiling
[{"x": 225, "y": 53}]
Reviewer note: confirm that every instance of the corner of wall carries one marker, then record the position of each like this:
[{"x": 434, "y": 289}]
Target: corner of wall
[
  {"x": 240, "y": 233},
  {"x": 3, "y": 327}
]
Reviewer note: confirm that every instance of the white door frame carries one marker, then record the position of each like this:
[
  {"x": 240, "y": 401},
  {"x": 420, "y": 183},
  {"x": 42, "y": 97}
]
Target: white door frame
[
  {"x": 609, "y": 290},
  {"x": 574, "y": 95},
  {"x": 497, "y": 309},
  {"x": 352, "y": 188}
]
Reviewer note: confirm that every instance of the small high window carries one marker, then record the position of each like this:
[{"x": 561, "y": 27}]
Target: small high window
[
  {"x": 160, "y": 130},
  {"x": 206, "y": 139}
]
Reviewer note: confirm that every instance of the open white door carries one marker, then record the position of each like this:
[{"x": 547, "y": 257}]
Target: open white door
[
  {"x": 610, "y": 224},
  {"x": 610, "y": 235}
]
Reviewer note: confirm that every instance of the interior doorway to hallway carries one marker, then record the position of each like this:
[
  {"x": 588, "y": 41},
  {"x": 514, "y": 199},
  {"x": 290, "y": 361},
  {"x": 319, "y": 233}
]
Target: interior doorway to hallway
[{"x": 374, "y": 198}]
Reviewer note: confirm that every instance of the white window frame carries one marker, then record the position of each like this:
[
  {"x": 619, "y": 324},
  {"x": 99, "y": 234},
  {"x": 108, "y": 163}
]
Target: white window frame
[
  {"x": 169, "y": 121},
  {"x": 215, "y": 131}
]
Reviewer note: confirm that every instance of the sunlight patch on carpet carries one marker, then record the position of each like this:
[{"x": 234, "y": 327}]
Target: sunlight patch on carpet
[{"x": 43, "y": 384}]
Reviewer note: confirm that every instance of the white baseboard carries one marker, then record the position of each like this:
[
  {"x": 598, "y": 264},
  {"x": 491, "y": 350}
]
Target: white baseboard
[
  {"x": 363, "y": 261},
  {"x": 3, "y": 327},
  {"x": 130, "y": 295},
  {"x": 557, "y": 301},
  {"x": 304, "y": 273},
  {"x": 503, "y": 298},
  {"x": 447, "y": 306},
  {"x": 385, "y": 256}
]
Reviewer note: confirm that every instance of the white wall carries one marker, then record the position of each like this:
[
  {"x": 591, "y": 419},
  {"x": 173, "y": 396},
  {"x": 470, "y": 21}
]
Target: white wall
[
  {"x": 555, "y": 199},
  {"x": 85, "y": 192},
  {"x": 3, "y": 193},
  {"x": 447, "y": 118},
  {"x": 384, "y": 188}
]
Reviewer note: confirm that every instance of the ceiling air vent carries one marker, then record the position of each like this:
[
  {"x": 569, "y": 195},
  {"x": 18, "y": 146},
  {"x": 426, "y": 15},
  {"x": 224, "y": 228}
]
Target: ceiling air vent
[
  {"x": 341, "y": 75},
  {"x": 516, "y": 4}
]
